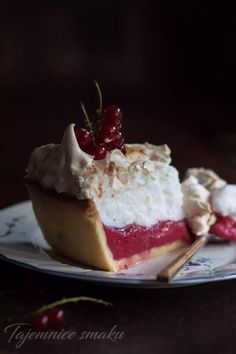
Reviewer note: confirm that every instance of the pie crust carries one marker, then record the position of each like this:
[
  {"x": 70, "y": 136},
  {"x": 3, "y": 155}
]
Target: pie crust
[{"x": 74, "y": 229}]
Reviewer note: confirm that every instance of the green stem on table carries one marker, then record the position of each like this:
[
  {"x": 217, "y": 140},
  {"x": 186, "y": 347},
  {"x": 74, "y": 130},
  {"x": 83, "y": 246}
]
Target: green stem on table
[{"x": 66, "y": 301}]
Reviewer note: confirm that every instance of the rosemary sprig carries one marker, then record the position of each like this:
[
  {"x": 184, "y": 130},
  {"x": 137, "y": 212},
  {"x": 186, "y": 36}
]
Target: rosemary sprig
[{"x": 66, "y": 301}]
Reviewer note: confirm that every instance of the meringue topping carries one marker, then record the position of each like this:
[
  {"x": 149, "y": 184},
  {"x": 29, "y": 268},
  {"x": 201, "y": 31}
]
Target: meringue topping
[
  {"x": 206, "y": 177},
  {"x": 206, "y": 194},
  {"x": 224, "y": 201},
  {"x": 196, "y": 206},
  {"x": 137, "y": 188}
]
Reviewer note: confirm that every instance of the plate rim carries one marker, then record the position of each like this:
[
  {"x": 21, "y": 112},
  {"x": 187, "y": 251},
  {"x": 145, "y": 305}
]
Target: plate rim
[{"x": 112, "y": 281}]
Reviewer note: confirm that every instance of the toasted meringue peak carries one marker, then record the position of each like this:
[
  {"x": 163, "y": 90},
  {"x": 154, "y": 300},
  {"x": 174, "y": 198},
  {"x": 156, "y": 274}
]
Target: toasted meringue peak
[
  {"x": 206, "y": 177},
  {"x": 148, "y": 151},
  {"x": 196, "y": 206}
]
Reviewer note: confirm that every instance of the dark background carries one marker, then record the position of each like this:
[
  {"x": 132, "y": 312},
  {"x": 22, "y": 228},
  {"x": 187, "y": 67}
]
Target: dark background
[{"x": 170, "y": 66}]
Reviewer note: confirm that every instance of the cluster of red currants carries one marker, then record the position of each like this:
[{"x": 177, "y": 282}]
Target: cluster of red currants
[
  {"x": 51, "y": 319},
  {"x": 107, "y": 138}
]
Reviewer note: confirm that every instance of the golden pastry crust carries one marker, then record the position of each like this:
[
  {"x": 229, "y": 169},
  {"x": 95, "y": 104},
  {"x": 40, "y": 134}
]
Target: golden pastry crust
[{"x": 72, "y": 227}]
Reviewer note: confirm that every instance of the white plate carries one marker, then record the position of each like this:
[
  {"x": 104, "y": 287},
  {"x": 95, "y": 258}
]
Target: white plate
[{"x": 22, "y": 243}]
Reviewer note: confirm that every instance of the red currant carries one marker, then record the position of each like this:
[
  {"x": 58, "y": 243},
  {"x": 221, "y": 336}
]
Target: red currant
[
  {"x": 40, "y": 322},
  {"x": 55, "y": 317},
  {"x": 98, "y": 151},
  {"x": 84, "y": 137},
  {"x": 112, "y": 115},
  {"x": 107, "y": 133},
  {"x": 116, "y": 143},
  {"x": 123, "y": 149}
]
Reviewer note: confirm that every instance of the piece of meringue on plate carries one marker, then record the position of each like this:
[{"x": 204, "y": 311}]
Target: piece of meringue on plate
[
  {"x": 103, "y": 203},
  {"x": 209, "y": 203}
]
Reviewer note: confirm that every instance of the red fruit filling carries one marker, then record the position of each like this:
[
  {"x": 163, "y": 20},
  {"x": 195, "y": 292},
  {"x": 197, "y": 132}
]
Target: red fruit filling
[
  {"x": 224, "y": 227},
  {"x": 132, "y": 239}
]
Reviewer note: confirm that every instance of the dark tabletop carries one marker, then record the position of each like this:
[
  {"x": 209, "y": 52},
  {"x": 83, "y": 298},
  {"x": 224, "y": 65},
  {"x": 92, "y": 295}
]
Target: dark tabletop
[
  {"x": 185, "y": 320},
  {"x": 171, "y": 68}
]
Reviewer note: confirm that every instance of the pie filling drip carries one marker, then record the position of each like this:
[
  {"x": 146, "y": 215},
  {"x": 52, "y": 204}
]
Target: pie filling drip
[
  {"x": 134, "y": 239},
  {"x": 224, "y": 227}
]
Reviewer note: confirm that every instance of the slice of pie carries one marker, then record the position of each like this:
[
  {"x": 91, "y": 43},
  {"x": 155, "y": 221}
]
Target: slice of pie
[
  {"x": 107, "y": 210},
  {"x": 209, "y": 203}
]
